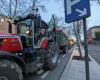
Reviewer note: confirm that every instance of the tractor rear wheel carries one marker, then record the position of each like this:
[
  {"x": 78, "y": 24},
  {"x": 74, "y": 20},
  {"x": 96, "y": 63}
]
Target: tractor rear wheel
[{"x": 10, "y": 70}]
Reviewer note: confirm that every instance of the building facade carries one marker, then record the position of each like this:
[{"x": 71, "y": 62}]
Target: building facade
[
  {"x": 4, "y": 25},
  {"x": 92, "y": 34}
]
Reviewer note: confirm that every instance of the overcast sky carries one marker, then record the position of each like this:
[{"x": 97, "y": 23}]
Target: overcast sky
[
  {"x": 94, "y": 20},
  {"x": 57, "y": 8}
]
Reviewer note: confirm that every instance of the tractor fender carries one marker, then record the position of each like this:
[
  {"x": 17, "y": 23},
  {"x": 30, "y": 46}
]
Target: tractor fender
[
  {"x": 12, "y": 57},
  {"x": 44, "y": 43}
]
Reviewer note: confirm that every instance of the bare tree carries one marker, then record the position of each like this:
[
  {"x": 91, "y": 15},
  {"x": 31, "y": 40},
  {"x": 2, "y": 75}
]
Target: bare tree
[
  {"x": 98, "y": 1},
  {"x": 13, "y": 8}
]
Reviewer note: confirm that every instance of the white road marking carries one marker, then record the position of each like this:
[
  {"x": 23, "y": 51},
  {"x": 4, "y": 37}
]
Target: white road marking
[
  {"x": 40, "y": 71},
  {"x": 45, "y": 74},
  {"x": 64, "y": 55}
]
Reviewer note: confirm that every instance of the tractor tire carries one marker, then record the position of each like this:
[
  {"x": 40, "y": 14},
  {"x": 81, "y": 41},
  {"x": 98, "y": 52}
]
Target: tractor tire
[
  {"x": 10, "y": 70},
  {"x": 51, "y": 57},
  {"x": 64, "y": 50}
]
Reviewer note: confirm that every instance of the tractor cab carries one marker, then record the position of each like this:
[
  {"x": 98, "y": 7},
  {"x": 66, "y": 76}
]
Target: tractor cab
[
  {"x": 32, "y": 31},
  {"x": 31, "y": 34}
]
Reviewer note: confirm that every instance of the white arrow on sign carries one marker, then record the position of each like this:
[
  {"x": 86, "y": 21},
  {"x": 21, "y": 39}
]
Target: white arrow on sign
[{"x": 82, "y": 12}]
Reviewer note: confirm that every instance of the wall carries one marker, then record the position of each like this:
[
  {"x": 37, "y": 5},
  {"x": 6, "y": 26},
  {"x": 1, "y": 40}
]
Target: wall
[{"x": 4, "y": 25}]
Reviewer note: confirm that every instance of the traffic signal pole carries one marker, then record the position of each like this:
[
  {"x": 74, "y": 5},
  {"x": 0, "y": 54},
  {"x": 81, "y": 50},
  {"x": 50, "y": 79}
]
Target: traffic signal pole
[{"x": 86, "y": 49}]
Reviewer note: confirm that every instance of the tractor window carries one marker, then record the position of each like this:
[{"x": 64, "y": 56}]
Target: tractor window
[
  {"x": 25, "y": 32},
  {"x": 24, "y": 27}
]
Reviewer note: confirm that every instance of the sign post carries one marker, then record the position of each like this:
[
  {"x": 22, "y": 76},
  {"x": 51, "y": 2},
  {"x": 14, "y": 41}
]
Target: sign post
[
  {"x": 76, "y": 10},
  {"x": 86, "y": 49}
]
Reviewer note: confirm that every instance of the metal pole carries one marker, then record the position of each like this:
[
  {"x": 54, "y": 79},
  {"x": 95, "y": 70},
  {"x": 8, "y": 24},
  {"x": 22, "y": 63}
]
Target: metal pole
[
  {"x": 54, "y": 28},
  {"x": 33, "y": 31},
  {"x": 78, "y": 40},
  {"x": 86, "y": 49},
  {"x": 33, "y": 6}
]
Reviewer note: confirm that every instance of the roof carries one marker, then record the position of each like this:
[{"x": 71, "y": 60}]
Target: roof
[
  {"x": 94, "y": 27},
  {"x": 4, "y": 16},
  {"x": 30, "y": 16}
]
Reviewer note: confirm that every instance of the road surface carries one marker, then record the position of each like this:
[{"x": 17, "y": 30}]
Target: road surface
[
  {"x": 54, "y": 74},
  {"x": 94, "y": 51}
]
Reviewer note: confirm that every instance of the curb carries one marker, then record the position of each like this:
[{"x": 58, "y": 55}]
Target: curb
[{"x": 67, "y": 67}]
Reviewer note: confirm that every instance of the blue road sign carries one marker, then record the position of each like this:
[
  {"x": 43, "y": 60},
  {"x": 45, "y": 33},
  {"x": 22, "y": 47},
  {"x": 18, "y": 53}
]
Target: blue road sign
[{"x": 76, "y": 10}]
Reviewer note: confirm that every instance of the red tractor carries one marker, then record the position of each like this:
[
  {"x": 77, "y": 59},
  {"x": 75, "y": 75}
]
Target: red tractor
[{"x": 27, "y": 51}]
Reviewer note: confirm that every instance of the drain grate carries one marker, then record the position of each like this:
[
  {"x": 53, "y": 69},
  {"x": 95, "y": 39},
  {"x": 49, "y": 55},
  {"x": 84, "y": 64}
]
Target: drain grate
[{"x": 80, "y": 58}]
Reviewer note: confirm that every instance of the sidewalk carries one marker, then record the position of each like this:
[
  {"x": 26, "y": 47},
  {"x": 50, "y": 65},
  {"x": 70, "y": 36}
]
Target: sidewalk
[{"x": 75, "y": 70}]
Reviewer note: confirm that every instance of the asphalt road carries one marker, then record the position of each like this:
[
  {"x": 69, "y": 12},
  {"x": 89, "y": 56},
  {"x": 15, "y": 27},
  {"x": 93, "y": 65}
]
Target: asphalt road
[
  {"x": 54, "y": 74},
  {"x": 94, "y": 51}
]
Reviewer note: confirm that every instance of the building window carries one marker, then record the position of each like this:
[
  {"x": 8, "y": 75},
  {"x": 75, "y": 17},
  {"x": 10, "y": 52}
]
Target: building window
[{"x": 2, "y": 20}]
